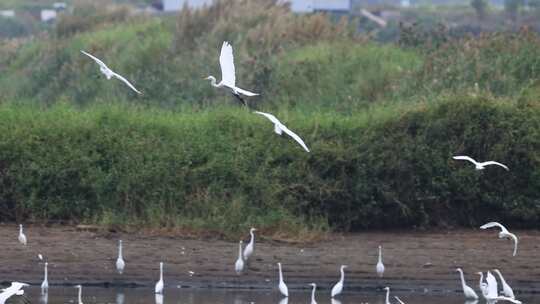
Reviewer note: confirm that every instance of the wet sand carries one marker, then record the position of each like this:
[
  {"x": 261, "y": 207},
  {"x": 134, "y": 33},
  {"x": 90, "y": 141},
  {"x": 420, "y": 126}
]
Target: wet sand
[{"x": 415, "y": 261}]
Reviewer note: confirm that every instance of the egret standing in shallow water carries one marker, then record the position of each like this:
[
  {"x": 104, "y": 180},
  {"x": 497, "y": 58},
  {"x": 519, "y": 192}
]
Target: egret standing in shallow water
[
  {"x": 228, "y": 73},
  {"x": 504, "y": 234},
  {"x": 248, "y": 251},
  {"x": 467, "y": 291},
  {"x": 239, "y": 265},
  {"x": 80, "y": 293},
  {"x": 120, "y": 264},
  {"x": 387, "y": 300},
  {"x": 480, "y": 166},
  {"x": 282, "y": 287},
  {"x": 110, "y": 73},
  {"x": 22, "y": 237},
  {"x": 313, "y": 293},
  {"x": 380, "y": 265},
  {"x": 279, "y": 128},
  {"x": 159, "y": 285},
  {"x": 507, "y": 290},
  {"x": 45, "y": 283},
  {"x": 338, "y": 288}
]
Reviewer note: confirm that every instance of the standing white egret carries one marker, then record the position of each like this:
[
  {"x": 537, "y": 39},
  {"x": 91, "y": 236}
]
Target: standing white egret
[
  {"x": 110, "y": 73},
  {"x": 380, "y": 265},
  {"x": 467, "y": 291},
  {"x": 279, "y": 128},
  {"x": 480, "y": 166},
  {"x": 507, "y": 290},
  {"x": 503, "y": 234},
  {"x": 22, "y": 237},
  {"x": 228, "y": 73},
  {"x": 248, "y": 251},
  {"x": 159, "y": 284},
  {"x": 313, "y": 293},
  {"x": 16, "y": 288},
  {"x": 482, "y": 285},
  {"x": 387, "y": 299},
  {"x": 239, "y": 265},
  {"x": 282, "y": 287},
  {"x": 80, "y": 293},
  {"x": 120, "y": 264},
  {"x": 493, "y": 291},
  {"x": 338, "y": 288},
  {"x": 45, "y": 283}
]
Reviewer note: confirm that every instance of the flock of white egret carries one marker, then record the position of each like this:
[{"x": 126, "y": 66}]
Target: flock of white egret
[{"x": 489, "y": 288}]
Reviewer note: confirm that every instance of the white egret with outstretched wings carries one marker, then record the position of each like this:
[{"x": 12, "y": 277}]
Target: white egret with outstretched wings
[
  {"x": 478, "y": 165},
  {"x": 504, "y": 234},
  {"x": 279, "y": 128},
  {"x": 110, "y": 73}
]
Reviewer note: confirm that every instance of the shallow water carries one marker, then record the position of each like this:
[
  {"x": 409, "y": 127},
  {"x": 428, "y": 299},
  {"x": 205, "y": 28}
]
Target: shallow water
[{"x": 212, "y": 296}]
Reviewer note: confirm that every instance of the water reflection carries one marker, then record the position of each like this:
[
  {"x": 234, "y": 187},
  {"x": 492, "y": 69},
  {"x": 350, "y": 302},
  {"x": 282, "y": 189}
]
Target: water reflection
[
  {"x": 159, "y": 298},
  {"x": 44, "y": 297},
  {"x": 335, "y": 301},
  {"x": 471, "y": 301},
  {"x": 120, "y": 298},
  {"x": 284, "y": 301}
]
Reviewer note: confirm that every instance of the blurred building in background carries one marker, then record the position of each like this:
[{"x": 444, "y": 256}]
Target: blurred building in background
[
  {"x": 176, "y": 5},
  {"x": 311, "y": 6}
]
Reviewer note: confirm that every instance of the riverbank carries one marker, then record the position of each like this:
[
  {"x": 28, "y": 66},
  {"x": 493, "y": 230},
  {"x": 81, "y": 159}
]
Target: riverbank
[{"x": 413, "y": 260}]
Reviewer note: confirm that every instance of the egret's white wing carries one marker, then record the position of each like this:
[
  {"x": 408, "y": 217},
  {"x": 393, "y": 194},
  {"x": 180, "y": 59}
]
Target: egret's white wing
[
  {"x": 501, "y": 298},
  {"x": 399, "y": 300},
  {"x": 295, "y": 137},
  {"x": 515, "y": 239},
  {"x": 244, "y": 92},
  {"x": 492, "y": 286},
  {"x": 226, "y": 61},
  {"x": 494, "y": 224},
  {"x": 126, "y": 82},
  {"x": 271, "y": 117},
  {"x": 95, "y": 59},
  {"x": 494, "y": 163},
  {"x": 462, "y": 157}
]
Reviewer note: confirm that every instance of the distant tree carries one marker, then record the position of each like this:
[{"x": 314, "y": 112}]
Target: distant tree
[
  {"x": 512, "y": 8},
  {"x": 480, "y": 7},
  {"x": 535, "y": 6}
]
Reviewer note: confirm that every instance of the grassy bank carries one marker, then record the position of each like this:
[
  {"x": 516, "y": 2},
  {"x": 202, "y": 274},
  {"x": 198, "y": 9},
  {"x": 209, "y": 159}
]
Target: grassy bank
[{"x": 225, "y": 170}]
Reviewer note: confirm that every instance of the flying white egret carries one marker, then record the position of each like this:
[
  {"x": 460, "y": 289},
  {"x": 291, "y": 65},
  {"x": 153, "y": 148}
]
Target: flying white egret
[
  {"x": 380, "y": 265},
  {"x": 16, "y": 288},
  {"x": 507, "y": 290},
  {"x": 120, "y": 264},
  {"x": 338, "y": 288},
  {"x": 80, "y": 293},
  {"x": 228, "y": 74},
  {"x": 503, "y": 234},
  {"x": 239, "y": 265},
  {"x": 480, "y": 166},
  {"x": 248, "y": 251},
  {"x": 45, "y": 283},
  {"x": 110, "y": 73},
  {"x": 159, "y": 284},
  {"x": 282, "y": 287},
  {"x": 399, "y": 300},
  {"x": 22, "y": 237},
  {"x": 467, "y": 291},
  {"x": 313, "y": 293},
  {"x": 279, "y": 128}
]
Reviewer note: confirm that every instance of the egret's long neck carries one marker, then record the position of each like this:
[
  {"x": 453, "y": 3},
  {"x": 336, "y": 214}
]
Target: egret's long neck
[
  {"x": 380, "y": 255},
  {"x": 280, "y": 274},
  {"x": 481, "y": 278},
  {"x": 80, "y": 295},
  {"x": 240, "y": 250},
  {"x": 462, "y": 279},
  {"x": 313, "y": 294},
  {"x": 387, "y": 296},
  {"x": 342, "y": 275},
  {"x": 120, "y": 250},
  {"x": 161, "y": 272},
  {"x": 45, "y": 271},
  {"x": 252, "y": 237},
  {"x": 213, "y": 82},
  {"x": 501, "y": 277},
  {"x": 20, "y": 230}
]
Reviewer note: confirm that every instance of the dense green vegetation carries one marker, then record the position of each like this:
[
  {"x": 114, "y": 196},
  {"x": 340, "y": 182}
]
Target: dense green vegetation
[{"x": 382, "y": 121}]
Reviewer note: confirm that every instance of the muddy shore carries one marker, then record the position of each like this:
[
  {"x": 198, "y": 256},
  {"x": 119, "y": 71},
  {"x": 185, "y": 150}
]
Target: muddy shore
[{"x": 414, "y": 260}]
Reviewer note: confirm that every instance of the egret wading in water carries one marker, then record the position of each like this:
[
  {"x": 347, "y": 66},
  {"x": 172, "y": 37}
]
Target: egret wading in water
[
  {"x": 492, "y": 294},
  {"x": 120, "y": 264},
  {"x": 239, "y": 265},
  {"x": 313, "y": 293},
  {"x": 507, "y": 290},
  {"x": 380, "y": 265},
  {"x": 282, "y": 287},
  {"x": 467, "y": 291},
  {"x": 279, "y": 128},
  {"x": 248, "y": 251},
  {"x": 80, "y": 293},
  {"x": 159, "y": 284},
  {"x": 482, "y": 285},
  {"x": 22, "y": 237},
  {"x": 387, "y": 299},
  {"x": 45, "y": 283},
  {"x": 228, "y": 74},
  {"x": 110, "y": 73},
  {"x": 480, "y": 166},
  {"x": 16, "y": 289},
  {"x": 504, "y": 234},
  {"x": 338, "y": 288}
]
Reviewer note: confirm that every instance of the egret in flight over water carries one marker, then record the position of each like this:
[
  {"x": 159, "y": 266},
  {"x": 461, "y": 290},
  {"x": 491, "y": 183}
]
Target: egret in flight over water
[
  {"x": 22, "y": 237},
  {"x": 159, "y": 284},
  {"x": 467, "y": 291},
  {"x": 282, "y": 287},
  {"x": 228, "y": 73},
  {"x": 248, "y": 251},
  {"x": 110, "y": 73},
  {"x": 338, "y": 288},
  {"x": 480, "y": 166},
  {"x": 380, "y": 265},
  {"x": 239, "y": 265},
  {"x": 504, "y": 234},
  {"x": 279, "y": 128},
  {"x": 120, "y": 264}
]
